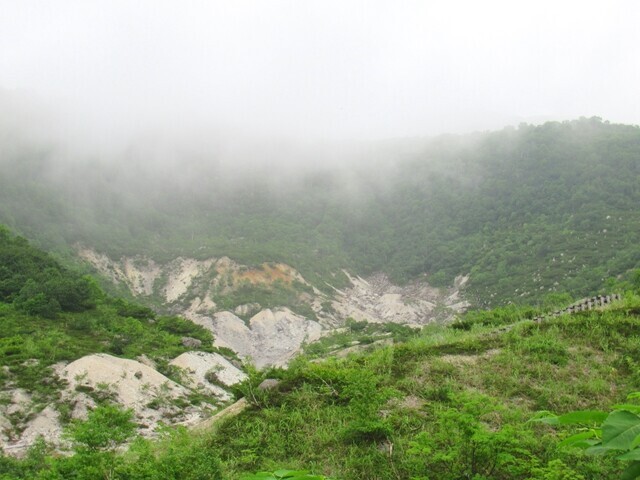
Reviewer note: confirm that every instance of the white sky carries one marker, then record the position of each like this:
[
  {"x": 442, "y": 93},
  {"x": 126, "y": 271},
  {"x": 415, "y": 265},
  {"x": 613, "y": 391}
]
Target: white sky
[{"x": 364, "y": 69}]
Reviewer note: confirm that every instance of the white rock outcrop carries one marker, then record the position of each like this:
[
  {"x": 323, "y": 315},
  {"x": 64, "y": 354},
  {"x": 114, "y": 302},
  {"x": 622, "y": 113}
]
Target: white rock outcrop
[
  {"x": 92, "y": 379},
  {"x": 152, "y": 396},
  {"x": 377, "y": 300},
  {"x": 131, "y": 381},
  {"x": 137, "y": 273},
  {"x": 181, "y": 274},
  {"x": 196, "y": 366},
  {"x": 270, "y": 338},
  {"x": 46, "y": 424}
]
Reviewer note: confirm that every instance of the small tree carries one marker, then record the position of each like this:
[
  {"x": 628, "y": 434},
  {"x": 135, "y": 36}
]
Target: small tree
[
  {"x": 95, "y": 441},
  {"x": 106, "y": 428}
]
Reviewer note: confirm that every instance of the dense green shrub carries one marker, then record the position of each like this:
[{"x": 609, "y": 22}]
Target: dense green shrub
[{"x": 36, "y": 283}]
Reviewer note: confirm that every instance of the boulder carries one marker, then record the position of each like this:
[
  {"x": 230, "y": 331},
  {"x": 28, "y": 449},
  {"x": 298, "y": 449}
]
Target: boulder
[{"x": 191, "y": 342}]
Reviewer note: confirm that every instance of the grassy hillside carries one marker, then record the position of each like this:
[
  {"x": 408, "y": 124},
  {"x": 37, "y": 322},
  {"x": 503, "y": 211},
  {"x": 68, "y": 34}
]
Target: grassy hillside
[
  {"x": 447, "y": 404},
  {"x": 528, "y": 212},
  {"x": 51, "y": 314}
]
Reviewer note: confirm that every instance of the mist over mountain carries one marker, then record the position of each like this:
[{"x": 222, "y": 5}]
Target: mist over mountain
[
  {"x": 364, "y": 239},
  {"x": 315, "y": 71},
  {"x": 527, "y": 211}
]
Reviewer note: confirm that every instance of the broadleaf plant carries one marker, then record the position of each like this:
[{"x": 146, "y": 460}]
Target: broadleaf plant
[
  {"x": 615, "y": 433},
  {"x": 284, "y": 474}
]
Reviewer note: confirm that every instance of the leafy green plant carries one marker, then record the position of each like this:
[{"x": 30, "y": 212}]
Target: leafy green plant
[
  {"x": 366, "y": 397},
  {"x": 106, "y": 427},
  {"x": 282, "y": 474},
  {"x": 616, "y": 433},
  {"x": 465, "y": 443}
]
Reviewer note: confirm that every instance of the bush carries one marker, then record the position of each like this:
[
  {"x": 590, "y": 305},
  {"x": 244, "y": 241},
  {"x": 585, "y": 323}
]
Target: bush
[
  {"x": 106, "y": 427},
  {"x": 284, "y": 474},
  {"x": 464, "y": 442}
]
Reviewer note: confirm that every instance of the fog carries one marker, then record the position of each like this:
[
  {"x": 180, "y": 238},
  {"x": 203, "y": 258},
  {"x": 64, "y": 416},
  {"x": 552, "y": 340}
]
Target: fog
[{"x": 311, "y": 71}]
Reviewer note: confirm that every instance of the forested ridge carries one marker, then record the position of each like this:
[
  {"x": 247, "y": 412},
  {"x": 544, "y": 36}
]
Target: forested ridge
[
  {"x": 35, "y": 283},
  {"x": 527, "y": 211}
]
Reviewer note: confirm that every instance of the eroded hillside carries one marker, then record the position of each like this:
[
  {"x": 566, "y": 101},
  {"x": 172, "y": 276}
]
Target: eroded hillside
[{"x": 266, "y": 313}]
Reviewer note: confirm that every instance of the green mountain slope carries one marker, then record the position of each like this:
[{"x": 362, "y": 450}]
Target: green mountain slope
[
  {"x": 528, "y": 212},
  {"x": 447, "y": 404}
]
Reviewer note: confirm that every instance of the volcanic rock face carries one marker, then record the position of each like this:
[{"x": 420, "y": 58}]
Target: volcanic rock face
[
  {"x": 209, "y": 372},
  {"x": 377, "y": 300},
  {"x": 271, "y": 336},
  {"x": 138, "y": 274}
]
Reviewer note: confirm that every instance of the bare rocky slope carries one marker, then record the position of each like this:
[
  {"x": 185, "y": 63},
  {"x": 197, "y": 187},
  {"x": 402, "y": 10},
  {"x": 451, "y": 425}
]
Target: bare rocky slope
[
  {"x": 132, "y": 384},
  {"x": 264, "y": 314},
  {"x": 264, "y": 333}
]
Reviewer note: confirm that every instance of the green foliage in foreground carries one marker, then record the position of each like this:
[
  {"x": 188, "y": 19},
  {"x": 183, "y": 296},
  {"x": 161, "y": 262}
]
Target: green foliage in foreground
[
  {"x": 616, "y": 434},
  {"x": 447, "y": 404},
  {"x": 450, "y": 404},
  {"x": 105, "y": 429},
  {"x": 31, "y": 340},
  {"x": 282, "y": 474}
]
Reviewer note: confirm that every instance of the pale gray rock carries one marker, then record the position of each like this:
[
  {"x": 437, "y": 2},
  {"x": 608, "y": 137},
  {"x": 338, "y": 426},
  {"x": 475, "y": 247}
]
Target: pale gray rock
[
  {"x": 191, "y": 342},
  {"x": 268, "y": 384},
  {"x": 46, "y": 424},
  {"x": 181, "y": 274},
  {"x": 376, "y": 300},
  {"x": 271, "y": 338},
  {"x": 153, "y": 397},
  {"x": 20, "y": 402},
  {"x": 197, "y": 365},
  {"x": 5, "y": 427},
  {"x": 246, "y": 309},
  {"x": 82, "y": 405},
  {"x": 143, "y": 359},
  {"x": 280, "y": 334},
  {"x": 231, "y": 332}
]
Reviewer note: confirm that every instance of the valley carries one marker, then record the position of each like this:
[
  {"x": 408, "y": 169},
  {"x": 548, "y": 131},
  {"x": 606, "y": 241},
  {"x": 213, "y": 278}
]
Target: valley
[
  {"x": 369, "y": 317},
  {"x": 337, "y": 240}
]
